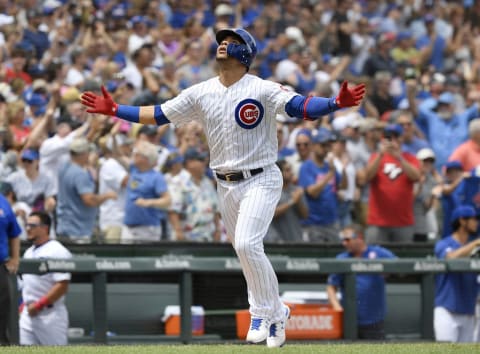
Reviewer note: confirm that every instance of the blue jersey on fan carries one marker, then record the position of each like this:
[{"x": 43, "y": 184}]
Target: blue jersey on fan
[
  {"x": 449, "y": 203},
  {"x": 456, "y": 292},
  {"x": 149, "y": 185},
  {"x": 469, "y": 192},
  {"x": 323, "y": 209},
  {"x": 371, "y": 299}
]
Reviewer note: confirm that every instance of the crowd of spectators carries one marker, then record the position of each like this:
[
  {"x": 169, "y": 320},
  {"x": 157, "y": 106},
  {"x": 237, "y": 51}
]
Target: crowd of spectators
[{"x": 399, "y": 163}]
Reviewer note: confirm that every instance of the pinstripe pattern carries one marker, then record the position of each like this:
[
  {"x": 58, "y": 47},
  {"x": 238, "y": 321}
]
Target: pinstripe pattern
[
  {"x": 247, "y": 209},
  {"x": 247, "y": 206},
  {"x": 213, "y": 105}
]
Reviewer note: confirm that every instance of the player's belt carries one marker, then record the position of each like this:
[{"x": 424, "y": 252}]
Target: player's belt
[{"x": 238, "y": 175}]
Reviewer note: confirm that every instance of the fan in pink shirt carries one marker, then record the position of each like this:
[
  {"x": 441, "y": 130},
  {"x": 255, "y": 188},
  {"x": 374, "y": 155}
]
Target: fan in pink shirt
[{"x": 468, "y": 153}]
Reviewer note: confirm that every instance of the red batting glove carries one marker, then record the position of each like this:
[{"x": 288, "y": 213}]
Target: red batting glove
[
  {"x": 348, "y": 97},
  {"x": 98, "y": 104}
]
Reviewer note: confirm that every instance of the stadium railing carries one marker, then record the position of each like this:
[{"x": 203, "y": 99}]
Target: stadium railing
[{"x": 185, "y": 267}]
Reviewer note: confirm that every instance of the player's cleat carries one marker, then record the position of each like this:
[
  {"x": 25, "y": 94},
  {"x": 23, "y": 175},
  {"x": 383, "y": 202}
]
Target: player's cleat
[
  {"x": 258, "y": 331},
  {"x": 276, "y": 337}
]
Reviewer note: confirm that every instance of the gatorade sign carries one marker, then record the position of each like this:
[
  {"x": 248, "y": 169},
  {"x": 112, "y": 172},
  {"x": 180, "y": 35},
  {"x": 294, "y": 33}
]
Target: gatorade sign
[
  {"x": 307, "y": 321},
  {"x": 310, "y": 323}
]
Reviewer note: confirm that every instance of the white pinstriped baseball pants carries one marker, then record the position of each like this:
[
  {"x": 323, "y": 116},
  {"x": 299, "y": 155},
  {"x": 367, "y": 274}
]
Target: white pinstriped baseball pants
[{"x": 247, "y": 209}]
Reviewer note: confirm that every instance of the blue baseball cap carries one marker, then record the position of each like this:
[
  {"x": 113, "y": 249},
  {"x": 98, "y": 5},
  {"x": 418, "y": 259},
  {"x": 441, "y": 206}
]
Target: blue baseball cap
[
  {"x": 305, "y": 132},
  {"x": 463, "y": 211},
  {"x": 138, "y": 19},
  {"x": 393, "y": 129},
  {"x": 30, "y": 155},
  {"x": 323, "y": 136},
  {"x": 193, "y": 153},
  {"x": 453, "y": 164},
  {"x": 446, "y": 98}
]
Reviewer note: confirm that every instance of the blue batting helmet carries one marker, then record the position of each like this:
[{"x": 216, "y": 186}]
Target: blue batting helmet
[{"x": 245, "y": 52}]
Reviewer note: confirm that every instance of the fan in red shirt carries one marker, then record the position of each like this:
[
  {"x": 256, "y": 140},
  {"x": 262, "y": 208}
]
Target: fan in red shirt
[
  {"x": 16, "y": 70},
  {"x": 392, "y": 175}
]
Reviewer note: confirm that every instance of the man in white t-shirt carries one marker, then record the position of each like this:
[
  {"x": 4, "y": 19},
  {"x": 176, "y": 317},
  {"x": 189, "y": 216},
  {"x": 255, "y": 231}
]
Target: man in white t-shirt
[
  {"x": 44, "y": 316},
  {"x": 76, "y": 74},
  {"x": 113, "y": 176},
  {"x": 54, "y": 151}
]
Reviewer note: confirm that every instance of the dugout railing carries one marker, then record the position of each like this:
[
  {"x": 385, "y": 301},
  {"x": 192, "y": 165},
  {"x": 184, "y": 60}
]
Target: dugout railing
[{"x": 184, "y": 269}]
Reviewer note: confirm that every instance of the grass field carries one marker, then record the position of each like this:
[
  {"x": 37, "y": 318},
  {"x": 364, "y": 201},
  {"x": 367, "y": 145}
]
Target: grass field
[{"x": 422, "y": 348}]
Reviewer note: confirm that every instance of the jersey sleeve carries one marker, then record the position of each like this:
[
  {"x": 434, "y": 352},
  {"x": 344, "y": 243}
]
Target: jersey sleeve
[
  {"x": 14, "y": 229},
  {"x": 385, "y": 253},
  {"x": 278, "y": 96},
  {"x": 337, "y": 279},
  {"x": 442, "y": 248},
  {"x": 305, "y": 176},
  {"x": 182, "y": 109},
  {"x": 61, "y": 253}
]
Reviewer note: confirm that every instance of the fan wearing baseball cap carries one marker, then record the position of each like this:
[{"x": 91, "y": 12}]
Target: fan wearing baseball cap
[
  {"x": 456, "y": 293},
  {"x": 424, "y": 198}
]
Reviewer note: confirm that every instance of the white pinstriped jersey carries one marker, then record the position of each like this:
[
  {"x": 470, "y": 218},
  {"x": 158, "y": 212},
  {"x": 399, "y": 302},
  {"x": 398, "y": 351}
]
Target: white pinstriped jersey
[{"x": 239, "y": 120}]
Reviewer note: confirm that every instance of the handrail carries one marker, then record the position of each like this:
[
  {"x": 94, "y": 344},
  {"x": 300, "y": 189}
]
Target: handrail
[{"x": 185, "y": 266}]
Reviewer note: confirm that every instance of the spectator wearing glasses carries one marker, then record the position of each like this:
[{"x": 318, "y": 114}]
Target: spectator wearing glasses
[
  {"x": 392, "y": 175},
  {"x": 370, "y": 288},
  {"x": 456, "y": 293},
  {"x": 44, "y": 316},
  {"x": 321, "y": 181},
  {"x": 303, "y": 144},
  {"x": 411, "y": 140},
  {"x": 32, "y": 186}
]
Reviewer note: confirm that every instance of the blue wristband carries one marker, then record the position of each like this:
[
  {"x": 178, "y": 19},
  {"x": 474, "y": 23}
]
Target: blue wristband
[{"x": 130, "y": 113}]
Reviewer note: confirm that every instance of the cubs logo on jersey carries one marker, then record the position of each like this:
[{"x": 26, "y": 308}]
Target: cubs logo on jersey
[{"x": 249, "y": 113}]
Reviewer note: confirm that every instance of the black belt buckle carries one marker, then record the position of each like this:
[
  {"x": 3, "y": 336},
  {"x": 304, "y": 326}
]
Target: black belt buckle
[{"x": 231, "y": 177}]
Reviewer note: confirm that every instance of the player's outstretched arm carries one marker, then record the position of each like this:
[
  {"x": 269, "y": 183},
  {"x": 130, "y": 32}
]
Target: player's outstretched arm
[
  {"x": 106, "y": 105},
  {"x": 315, "y": 107}
]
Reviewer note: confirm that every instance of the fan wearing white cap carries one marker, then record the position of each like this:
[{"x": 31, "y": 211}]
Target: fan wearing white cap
[{"x": 423, "y": 208}]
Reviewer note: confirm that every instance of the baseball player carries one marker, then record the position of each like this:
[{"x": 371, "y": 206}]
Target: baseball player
[
  {"x": 44, "y": 317},
  {"x": 237, "y": 111},
  {"x": 456, "y": 293}
]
